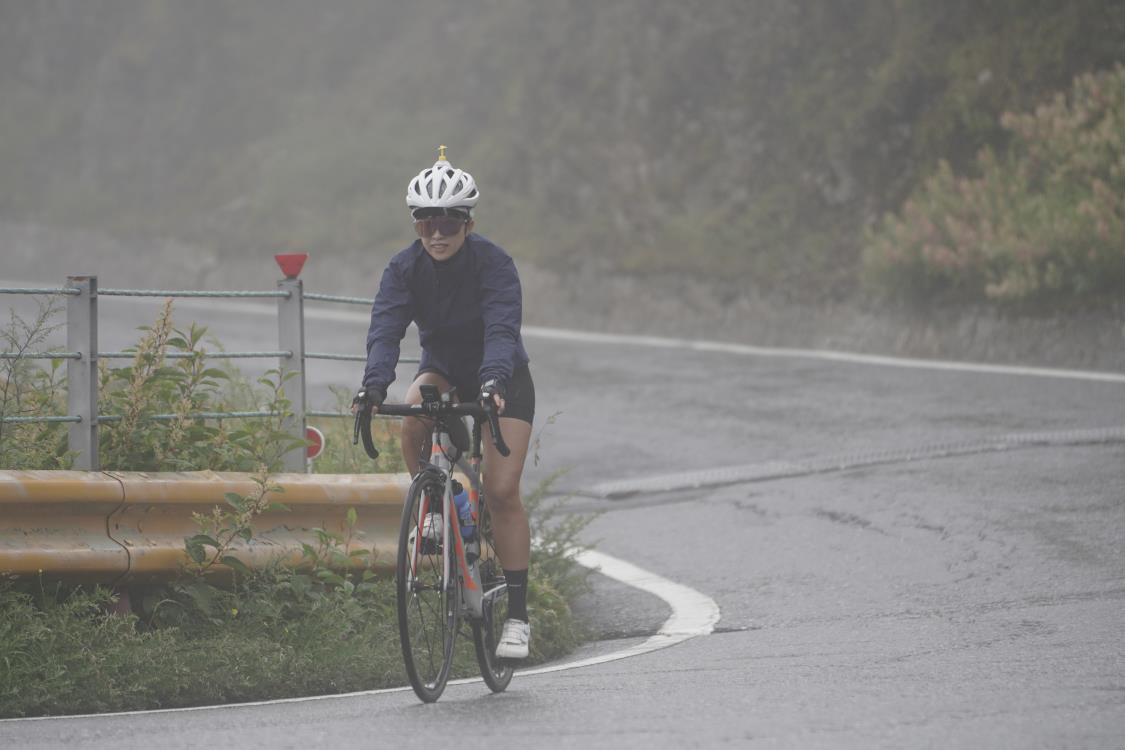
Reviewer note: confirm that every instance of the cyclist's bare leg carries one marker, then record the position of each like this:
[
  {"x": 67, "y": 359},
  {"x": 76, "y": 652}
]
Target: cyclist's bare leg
[
  {"x": 502, "y": 491},
  {"x": 416, "y": 431}
]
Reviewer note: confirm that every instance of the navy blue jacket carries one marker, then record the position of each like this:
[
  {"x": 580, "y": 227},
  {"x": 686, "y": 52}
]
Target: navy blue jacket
[{"x": 468, "y": 310}]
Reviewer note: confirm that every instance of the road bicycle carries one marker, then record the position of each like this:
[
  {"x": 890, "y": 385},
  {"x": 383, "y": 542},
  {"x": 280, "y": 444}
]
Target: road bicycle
[{"x": 445, "y": 577}]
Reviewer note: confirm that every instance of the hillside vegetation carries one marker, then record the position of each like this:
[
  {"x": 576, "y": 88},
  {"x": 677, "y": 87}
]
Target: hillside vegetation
[
  {"x": 754, "y": 141},
  {"x": 1040, "y": 226}
]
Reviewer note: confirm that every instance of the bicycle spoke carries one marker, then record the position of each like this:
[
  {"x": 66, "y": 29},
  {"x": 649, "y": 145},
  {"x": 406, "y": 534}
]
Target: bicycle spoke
[{"x": 427, "y": 622}]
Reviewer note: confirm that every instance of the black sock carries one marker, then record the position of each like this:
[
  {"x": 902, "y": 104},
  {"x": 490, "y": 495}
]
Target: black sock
[{"x": 517, "y": 594}]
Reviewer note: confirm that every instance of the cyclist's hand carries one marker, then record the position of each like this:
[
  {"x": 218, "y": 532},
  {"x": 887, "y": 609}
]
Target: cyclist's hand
[
  {"x": 365, "y": 400},
  {"x": 492, "y": 391}
]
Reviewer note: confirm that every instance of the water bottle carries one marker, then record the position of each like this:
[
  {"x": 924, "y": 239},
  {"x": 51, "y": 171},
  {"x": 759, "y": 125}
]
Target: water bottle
[{"x": 464, "y": 510}]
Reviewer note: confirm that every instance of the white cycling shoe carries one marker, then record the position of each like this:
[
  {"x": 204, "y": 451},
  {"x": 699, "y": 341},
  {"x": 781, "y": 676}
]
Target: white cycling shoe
[
  {"x": 431, "y": 534},
  {"x": 514, "y": 640}
]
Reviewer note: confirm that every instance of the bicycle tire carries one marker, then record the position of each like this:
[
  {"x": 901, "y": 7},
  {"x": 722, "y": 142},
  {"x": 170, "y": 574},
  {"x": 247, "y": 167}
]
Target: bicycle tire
[
  {"x": 427, "y": 601},
  {"x": 497, "y": 673}
]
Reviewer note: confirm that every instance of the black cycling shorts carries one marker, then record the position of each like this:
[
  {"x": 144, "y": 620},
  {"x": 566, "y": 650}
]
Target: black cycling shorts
[{"x": 519, "y": 402}]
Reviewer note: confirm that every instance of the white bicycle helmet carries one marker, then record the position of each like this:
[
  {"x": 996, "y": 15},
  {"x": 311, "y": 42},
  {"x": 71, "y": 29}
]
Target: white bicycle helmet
[{"x": 442, "y": 186}]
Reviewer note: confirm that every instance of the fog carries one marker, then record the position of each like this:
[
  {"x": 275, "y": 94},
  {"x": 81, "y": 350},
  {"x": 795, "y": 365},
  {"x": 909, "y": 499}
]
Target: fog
[{"x": 694, "y": 167}]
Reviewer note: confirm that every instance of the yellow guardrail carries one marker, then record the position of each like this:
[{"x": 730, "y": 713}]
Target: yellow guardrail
[
  {"x": 129, "y": 527},
  {"x": 55, "y": 521}
]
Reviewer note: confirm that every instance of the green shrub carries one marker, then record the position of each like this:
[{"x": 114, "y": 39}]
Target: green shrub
[
  {"x": 280, "y": 632},
  {"x": 275, "y": 633},
  {"x": 153, "y": 400},
  {"x": 322, "y": 625},
  {"x": 1041, "y": 226},
  {"x": 153, "y": 403},
  {"x": 65, "y": 653},
  {"x": 341, "y": 456},
  {"x": 30, "y": 390}
]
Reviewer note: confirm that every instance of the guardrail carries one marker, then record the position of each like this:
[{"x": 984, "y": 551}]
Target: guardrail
[
  {"x": 82, "y": 355},
  {"x": 129, "y": 527}
]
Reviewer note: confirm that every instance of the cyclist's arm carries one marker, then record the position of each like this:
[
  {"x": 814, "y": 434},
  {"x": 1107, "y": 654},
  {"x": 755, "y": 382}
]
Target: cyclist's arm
[
  {"x": 502, "y": 313},
  {"x": 390, "y": 316}
]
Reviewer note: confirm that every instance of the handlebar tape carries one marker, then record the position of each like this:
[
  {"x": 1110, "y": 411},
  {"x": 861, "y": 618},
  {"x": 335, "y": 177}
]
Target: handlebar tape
[{"x": 363, "y": 423}]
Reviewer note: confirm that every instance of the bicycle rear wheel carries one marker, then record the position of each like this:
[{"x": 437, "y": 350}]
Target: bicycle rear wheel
[
  {"x": 497, "y": 673},
  {"x": 426, "y": 595}
]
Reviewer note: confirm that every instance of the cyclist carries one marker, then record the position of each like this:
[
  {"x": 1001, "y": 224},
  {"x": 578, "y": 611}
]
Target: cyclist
[{"x": 464, "y": 294}]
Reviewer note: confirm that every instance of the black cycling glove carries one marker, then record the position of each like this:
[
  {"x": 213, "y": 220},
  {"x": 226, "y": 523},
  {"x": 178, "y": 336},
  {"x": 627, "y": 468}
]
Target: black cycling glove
[
  {"x": 491, "y": 388},
  {"x": 365, "y": 399}
]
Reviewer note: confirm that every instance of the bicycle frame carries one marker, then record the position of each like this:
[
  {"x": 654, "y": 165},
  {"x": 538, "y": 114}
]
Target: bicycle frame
[
  {"x": 468, "y": 585},
  {"x": 471, "y": 592}
]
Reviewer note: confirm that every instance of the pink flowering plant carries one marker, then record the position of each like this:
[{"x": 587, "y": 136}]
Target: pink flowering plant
[{"x": 1042, "y": 225}]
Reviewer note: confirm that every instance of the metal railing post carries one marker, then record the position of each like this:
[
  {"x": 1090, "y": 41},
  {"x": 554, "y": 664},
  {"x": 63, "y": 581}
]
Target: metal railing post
[
  {"x": 291, "y": 338},
  {"x": 82, "y": 373}
]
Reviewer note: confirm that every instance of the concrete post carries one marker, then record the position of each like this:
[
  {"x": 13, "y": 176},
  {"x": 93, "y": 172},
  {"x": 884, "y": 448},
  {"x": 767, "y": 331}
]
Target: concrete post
[
  {"x": 291, "y": 337},
  {"x": 82, "y": 374}
]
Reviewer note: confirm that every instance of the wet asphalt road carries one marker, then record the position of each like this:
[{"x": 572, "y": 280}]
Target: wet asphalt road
[{"x": 972, "y": 601}]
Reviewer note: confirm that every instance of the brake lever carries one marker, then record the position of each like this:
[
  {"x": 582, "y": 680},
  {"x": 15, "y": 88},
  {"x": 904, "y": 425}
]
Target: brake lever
[
  {"x": 363, "y": 429},
  {"x": 494, "y": 428}
]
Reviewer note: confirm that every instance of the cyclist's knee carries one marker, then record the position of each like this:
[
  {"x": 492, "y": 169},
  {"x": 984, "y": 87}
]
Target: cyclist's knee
[
  {"x": 503, "y": 493},
  {"x": 414, "y": 427}
]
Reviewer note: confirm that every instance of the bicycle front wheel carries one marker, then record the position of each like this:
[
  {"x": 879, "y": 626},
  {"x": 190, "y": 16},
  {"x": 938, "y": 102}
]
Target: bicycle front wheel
[
  {"x": 425, "y": 583},
  {"x": 497, "y": 673}
]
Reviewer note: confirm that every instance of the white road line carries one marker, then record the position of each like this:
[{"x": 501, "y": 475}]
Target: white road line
[
  {"x": 693, "y": 614},
  {"x": 819, "y": 354},
  {"x": 659, "y": 342},
  {"x": 315, "y": 311}
]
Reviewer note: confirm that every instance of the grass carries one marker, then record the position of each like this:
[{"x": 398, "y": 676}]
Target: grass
[
  {"x": 340, "y": 456},
  {"x": 275, "y": 634},
  {"x": 65, "y": 653}
]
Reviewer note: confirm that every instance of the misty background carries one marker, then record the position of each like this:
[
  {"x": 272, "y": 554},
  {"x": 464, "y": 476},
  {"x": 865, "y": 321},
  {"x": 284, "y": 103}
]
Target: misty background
[{"x": 701, "y": 167}]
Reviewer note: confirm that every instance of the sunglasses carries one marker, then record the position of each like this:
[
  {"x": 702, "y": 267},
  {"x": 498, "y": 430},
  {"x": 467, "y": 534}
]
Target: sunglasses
[{"x": 447, "y": 225}]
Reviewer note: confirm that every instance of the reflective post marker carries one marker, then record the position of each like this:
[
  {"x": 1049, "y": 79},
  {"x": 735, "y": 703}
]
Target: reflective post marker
[{"x": 291, "y": 338}]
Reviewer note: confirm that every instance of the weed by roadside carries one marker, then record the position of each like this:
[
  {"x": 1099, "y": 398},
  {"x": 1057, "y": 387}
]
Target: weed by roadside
[
  {"x": 152, "y": 405},
  {"x": 64, "y": 653},
  {"x": 29, "y": 390},
  {"x": 325, "y": 625},
  {"x": 554, "y": 579},
  {"x": 341, "y": 456}
]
